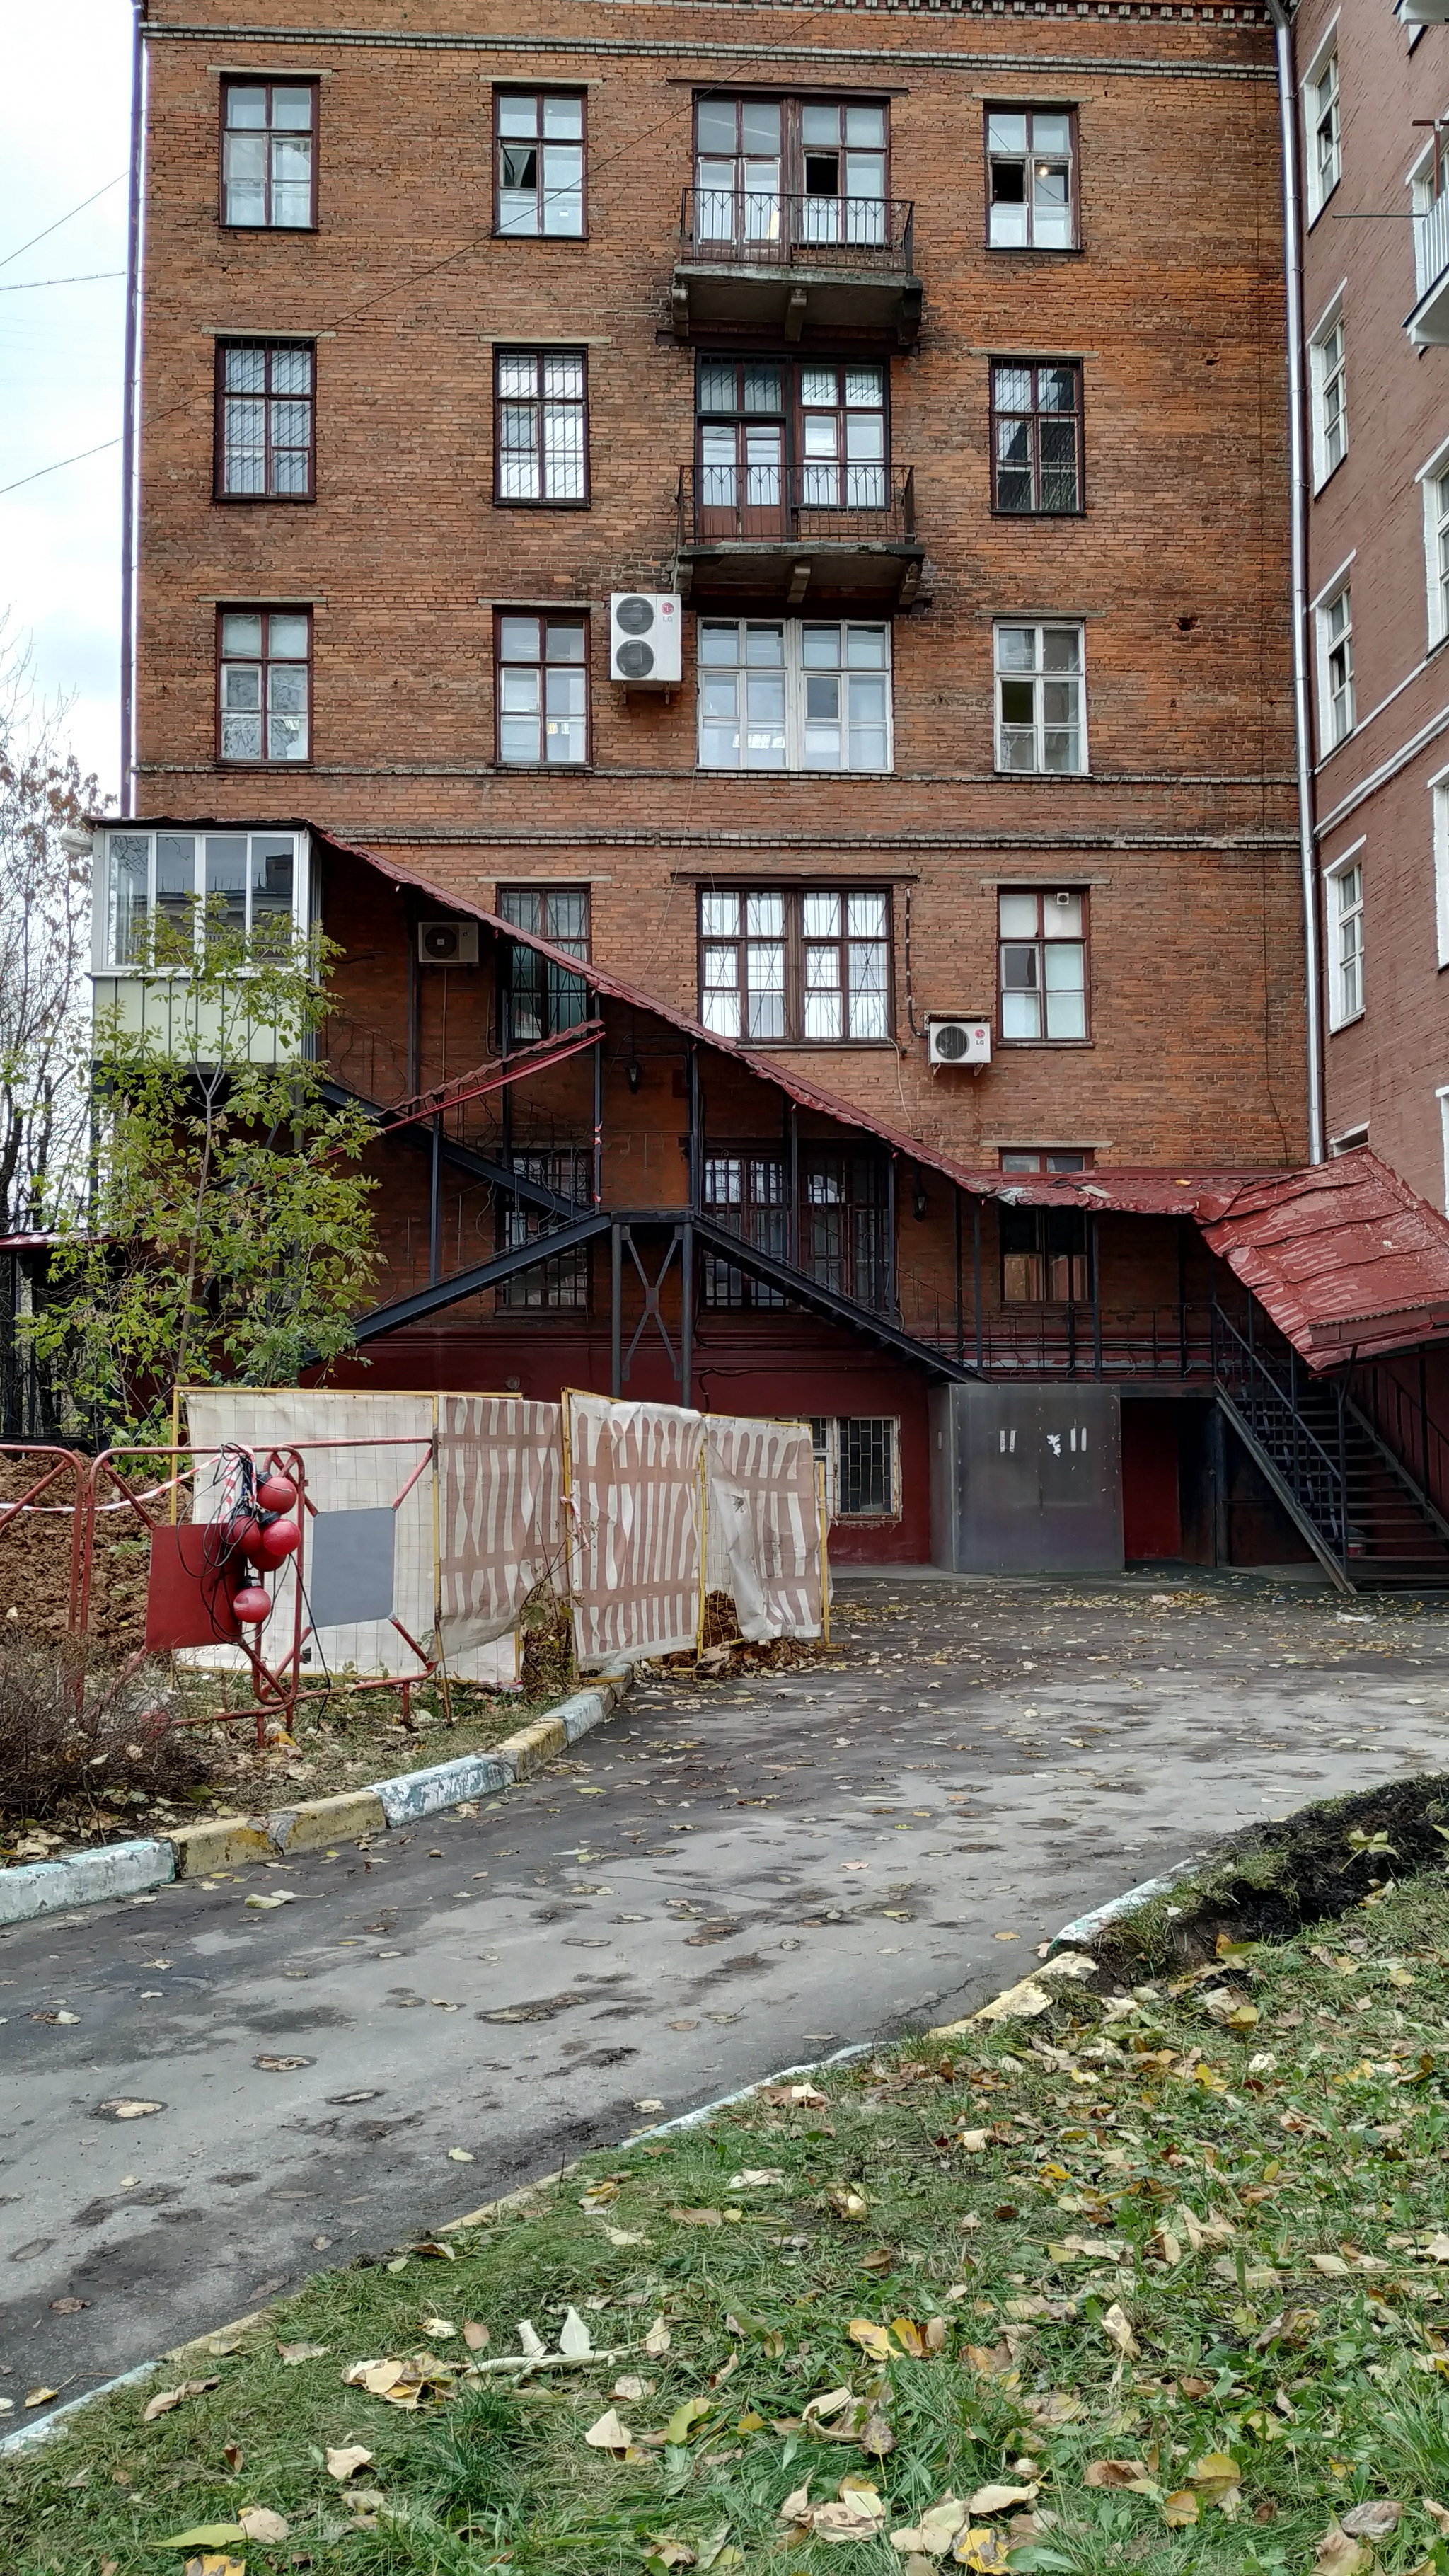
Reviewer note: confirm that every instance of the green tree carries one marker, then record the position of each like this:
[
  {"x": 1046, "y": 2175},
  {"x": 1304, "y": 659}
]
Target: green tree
[{"x": 228, "y": 1234}]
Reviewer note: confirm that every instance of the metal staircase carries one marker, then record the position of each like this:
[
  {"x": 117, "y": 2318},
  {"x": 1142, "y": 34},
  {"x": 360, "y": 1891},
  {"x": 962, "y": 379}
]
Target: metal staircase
[{"x": 1365, "y": 1516}]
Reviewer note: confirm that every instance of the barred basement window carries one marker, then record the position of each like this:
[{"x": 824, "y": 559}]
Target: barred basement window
[
  {"x": 264, "y": 432},
  {"x": 1036, "y": 442},
  {"x": 795, "y": 967},
  {"x": 541, "y": 437},
  {"x": 540, "y": 162},
  {"x": 268, "y": 161},
  {"x": 264, "y": 681},
  {"x": 860, "y": 1455}
]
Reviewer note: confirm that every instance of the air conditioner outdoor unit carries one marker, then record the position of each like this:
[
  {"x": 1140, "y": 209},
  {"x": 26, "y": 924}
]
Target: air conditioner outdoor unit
[
  {"x": 957, "y": 1042},
  {"x": 448, "y": 943},
  {"x": 645, "y": 634}
]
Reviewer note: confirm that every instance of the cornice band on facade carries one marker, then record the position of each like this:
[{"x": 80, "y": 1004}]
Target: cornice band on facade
[
  {"x": 777, "y": 779},
  {"x": 486, "y": 836},
  {"x": 1073, "y": 66},
  {"x": 1403, "y": 758}
]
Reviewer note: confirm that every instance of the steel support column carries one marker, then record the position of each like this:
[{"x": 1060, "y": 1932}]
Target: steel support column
[
  {"x": 616, "y": 1310},
  {"x": 435, "y": 1206}
]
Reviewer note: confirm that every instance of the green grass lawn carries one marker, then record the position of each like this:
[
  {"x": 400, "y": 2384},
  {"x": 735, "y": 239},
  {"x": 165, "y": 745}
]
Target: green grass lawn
[{"x": 1168, "y": 2270}]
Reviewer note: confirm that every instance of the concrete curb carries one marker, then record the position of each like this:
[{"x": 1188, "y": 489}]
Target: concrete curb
[
  {"x": 223, "y": 1842},
  {"x": 1083, "y": 1929}
]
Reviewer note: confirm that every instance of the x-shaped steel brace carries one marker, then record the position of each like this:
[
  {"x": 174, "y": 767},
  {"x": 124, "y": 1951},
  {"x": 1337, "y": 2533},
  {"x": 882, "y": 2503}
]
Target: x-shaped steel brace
[{"x": 652, "y": 1289}]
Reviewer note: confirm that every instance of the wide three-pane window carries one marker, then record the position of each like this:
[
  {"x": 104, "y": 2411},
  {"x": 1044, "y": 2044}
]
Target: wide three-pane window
[
  {"x": 1040, "y": 711},
  {"x": 265, "y": 403},
  {"x": 1031, "y": 178},
  {"x": 790, "y": 965},
  {"x": 539, "y": 142},
  {"x": 1036, "y": 441},
  {"x": 1042, "y": 950},
  {"x": 780, "y": 693},
  {"x": 543, "y": 691},
  {"x": 541, "y": 446},
  {"x": 264, "y": 669},
  {"x": 268, "y": 154},
  {"x": 164, "y": 888}
]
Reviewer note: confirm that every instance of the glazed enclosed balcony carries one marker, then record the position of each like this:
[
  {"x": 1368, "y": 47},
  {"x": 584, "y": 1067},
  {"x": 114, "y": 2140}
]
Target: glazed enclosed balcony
[
  {"x": 1428, "y": 324},
  {"x": 760, "y": 260},
  {"x": 799, "y": 534}
]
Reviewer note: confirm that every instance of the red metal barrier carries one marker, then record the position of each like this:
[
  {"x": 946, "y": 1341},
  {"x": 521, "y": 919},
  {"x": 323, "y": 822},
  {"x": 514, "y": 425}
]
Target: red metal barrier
[{"x": 64, "y": 1462}]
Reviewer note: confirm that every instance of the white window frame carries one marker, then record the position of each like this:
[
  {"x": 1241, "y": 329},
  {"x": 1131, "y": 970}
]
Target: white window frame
[
  {"x": 1322, "y": 379},
  {"x": 1041, "y": 679},
  {"x": 796, "y": 676},
  {"x": 103, "y": 959},
  {"x": 1349, "y": 1142},
  {"x": 1344, "y": 877},
  {"x": 1335, "y": 704},
  {"x": 1322, "y": 170},
  {"x": 1433, "y": 480},
  {"x": 1439, "y": 806},
  {"x": 1442, "y": 1096}
]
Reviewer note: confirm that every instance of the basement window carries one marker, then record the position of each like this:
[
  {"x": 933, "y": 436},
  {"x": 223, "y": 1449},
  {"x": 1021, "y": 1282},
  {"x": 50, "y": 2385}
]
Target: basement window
[{"x": 860, "y": 1454}]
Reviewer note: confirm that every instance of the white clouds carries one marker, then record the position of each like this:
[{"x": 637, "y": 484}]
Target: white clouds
[{"x": 64, "y": 129}]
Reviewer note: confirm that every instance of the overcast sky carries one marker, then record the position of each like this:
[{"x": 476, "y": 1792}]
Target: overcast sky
[{"x": 64, "y": 131}]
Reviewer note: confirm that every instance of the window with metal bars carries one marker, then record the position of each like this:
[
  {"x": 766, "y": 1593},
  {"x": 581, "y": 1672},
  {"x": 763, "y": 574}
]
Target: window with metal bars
[
  {"x": 264, "y": 421},
  {"x": 541, "y": 436},
  {"x": 748, "y": 1193},
  {"x": 540, "y": 999},
  {"x": 562, "y": 1281},
  {"x": 860, "y": 1456},
  {"x": 1036, "y": 437},
  {"x": 797, "y": 967}
]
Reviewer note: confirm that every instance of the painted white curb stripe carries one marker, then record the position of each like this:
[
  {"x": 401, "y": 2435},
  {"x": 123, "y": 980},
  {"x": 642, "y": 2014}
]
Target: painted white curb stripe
[{"x": 118, "y": 1869}]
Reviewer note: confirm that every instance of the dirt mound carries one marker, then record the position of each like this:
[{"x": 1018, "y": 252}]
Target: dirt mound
[{"x": 35, "y": 1561}]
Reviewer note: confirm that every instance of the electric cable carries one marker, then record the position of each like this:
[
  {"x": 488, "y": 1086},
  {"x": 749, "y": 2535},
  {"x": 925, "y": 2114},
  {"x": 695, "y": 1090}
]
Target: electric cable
[{"x": 64, "y": 219}]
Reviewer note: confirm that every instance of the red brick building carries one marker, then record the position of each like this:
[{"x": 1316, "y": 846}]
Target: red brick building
[{"x": 737, "y": 559}]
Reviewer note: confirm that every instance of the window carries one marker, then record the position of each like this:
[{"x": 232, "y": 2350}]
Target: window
[
  {"x": 1328, "y": 389},
  {"x": 1335, "y": 646},
  {"x": 1320, "y": 107},
  {"x": 860, "y": 1455},
  {"x": 265, "y": 672},
  {"x": 1044, "y": 1257},
  {"x": 563, "y": 1281},
  {"x": 1046, "y": 1158},
  {"x": 543, "y": 691},
  {"x": 1042, "y": 940},
  {"x": 1031, "y": 193},
  {"x": 1345, "y": 942},
  {"x": 264, "y": 412},
  {"x": 160, "y": 888},
  {"x": 1036, "y": 436},
  {"x": 805, "y": 969},
  {"x": 776, "y": 437},
  {"x": 1435, "y": 481},
  {"x": 541, "y": 998},
  {"x": 541, "y": 440},
  {"x": 1439, "y": 794},
  {"x": 746, "y": 1192},
  {"x": 771, "y": 170},
  {"x": 268, "y": 160},
  {"x": 540, "y": 145},
  {"x": 1040, "y": 717},
  {"x": 781, "y": 694},
  {"x": 1349, "y": 1142}
]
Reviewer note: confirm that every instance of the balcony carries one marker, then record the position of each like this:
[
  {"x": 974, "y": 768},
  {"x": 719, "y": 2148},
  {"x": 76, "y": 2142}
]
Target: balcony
[
  {"x": 799, "y": 534},
  {"x": 779, "y": 263},
  {"x": 1428, "y": 324}
]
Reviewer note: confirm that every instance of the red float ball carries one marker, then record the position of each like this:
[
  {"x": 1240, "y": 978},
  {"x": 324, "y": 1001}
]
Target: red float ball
[
  {"x": 276, "y": 1492},
  {"x": 280, "y": 1539},
  {"x": 252, "y": 1603},
  {"x": 246, "y": 1533}
]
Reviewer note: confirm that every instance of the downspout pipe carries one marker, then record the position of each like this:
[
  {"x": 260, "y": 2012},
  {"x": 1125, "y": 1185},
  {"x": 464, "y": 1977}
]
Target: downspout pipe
[
  {"x": 1298, "y": 505},
  {"x": 130, "y": 402}
]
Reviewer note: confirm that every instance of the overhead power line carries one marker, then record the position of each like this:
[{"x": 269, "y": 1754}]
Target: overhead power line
[
  {"x": 28, "y": 285},
  {"x": 42, "y": 470},
  {"x": 61, "y": 219}
]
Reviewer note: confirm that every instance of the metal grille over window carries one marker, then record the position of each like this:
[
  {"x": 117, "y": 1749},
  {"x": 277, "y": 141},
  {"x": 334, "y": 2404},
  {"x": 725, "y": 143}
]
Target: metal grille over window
[
  {"x": 266, "y": 164},
  {"x": 1037, "y": 446},
  {"x": 1039, "y": 699},
  {"x": 264, "y": 684},
  {"x": 786, "y": 695},
  {"x": 542, "y": 998},
  {"x": 808, "y": 967},
  {"x": 543, "y": 685},
  {"x": 541, "y": 425},
  {"x": 1029, "y": 160},
  {"x": 1043, "y": 966},
  {"x": 748, "y": 1193},
  {"x": 540, "y": 163},
  {"x": 860, "y": 1455},
  {"x": 564, "y": 1281},
  {"x": 266, "y": 423}
]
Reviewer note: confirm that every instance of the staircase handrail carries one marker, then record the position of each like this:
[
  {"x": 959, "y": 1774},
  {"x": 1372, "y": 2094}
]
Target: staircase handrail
[{"x": 1258, "y": 1367}]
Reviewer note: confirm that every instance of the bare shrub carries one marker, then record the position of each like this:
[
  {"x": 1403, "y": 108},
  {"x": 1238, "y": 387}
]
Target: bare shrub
[{"x": 80, "y": 1730}]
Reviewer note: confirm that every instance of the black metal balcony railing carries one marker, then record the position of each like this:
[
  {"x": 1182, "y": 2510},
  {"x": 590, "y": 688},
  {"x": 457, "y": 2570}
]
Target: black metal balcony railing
[
  {"x": 750, "y": 229},
  {"x": 794, "y": 504}
]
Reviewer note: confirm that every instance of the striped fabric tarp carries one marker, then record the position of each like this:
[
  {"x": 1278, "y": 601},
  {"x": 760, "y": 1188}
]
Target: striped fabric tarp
[
  {"x": 635, "y": 1527},
  {"x": 500, "y": 1512},
  {"x": 762, "y": 1524}
]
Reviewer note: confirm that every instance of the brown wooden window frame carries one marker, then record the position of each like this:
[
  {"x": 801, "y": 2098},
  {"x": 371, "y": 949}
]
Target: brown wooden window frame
[
  {"x": 795, "y": 152},
  {"x": 266, "y": 660},
  {"x": 794, "y": 939},
  {"x": 541, "y": 92},
  {"x": 1036, "y": 368},
  {"x": 1044, "y": 1158},
  {"x": 1082, "y": 938},
  {"x": 539, "y": 402},
  {"x": 246, "y": 80},
  {"x": 1054, "y": 1249},
  {"x": 545, "y": 616},
  {"x": 267, "y": 349},
  {"x": 556, "y": 1000},
  {"x": 1031, "y": 109}
]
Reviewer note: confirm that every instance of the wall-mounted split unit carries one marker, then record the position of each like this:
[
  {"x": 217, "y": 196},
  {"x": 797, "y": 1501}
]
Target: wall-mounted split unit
[
  {"x": 448, "y": 943},
  {"x": 645, "y": 635},
  {"x": 957, "y": 1042}
]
